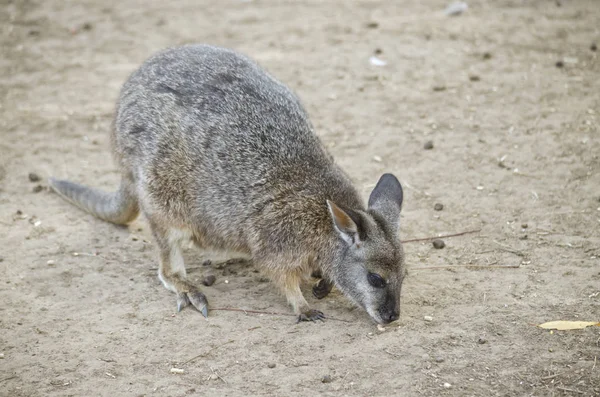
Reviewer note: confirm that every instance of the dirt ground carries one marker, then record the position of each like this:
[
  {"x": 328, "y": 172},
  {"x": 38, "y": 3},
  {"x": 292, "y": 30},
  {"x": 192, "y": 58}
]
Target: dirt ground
[{"x": 509, "y": 94}]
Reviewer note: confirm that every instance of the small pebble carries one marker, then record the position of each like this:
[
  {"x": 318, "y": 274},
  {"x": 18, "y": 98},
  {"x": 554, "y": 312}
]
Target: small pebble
[
  {"x": 1, "y": 355},
  {"x": 439, "y": 88},
  {"x": 380, "y": 328},
  {"x": 439, "y": 359},
  {"x": 487, "y": 55},
  {"x": 51, "y": 262},
  {"x": 33, "y": 177},
  {"x": 177, "y": 371},
  {"x": 438, "y": 244},
  {"x": 524, "y": 225},
  {"x": 593, "y": 47},
  {"x": 482, "y": 341},
  {"x": 438, "y": 206},
  {"x": 19, "y": 212},
  {"x": 377, "y": 158},
  {"x": 209, "y": 280},
  {"x": 474, "y": 77},
  {"x": 378, "y": 51},
  {"x": 447, "y": 385},
  {"x": 428, "y": 145},
  {"x": 559, "y": 64},
  {"x": 207, "y": 262},
  {"x": 1, "y": 259},
  {"x": 38, "y": 189},
  {"x": 327, "y": 379},
  {"x": 271, "y": 365},
  {"x": 428, "y": 318},
  {"x": 226, "y": 281},
  {"x": 373, "y": 25},
  {"x": 87, "y": 26},
  {"x": 479, "y": 188}
]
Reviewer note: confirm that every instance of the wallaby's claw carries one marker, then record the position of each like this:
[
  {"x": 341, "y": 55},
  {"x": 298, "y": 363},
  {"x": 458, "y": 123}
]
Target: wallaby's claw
[
  {"x": 182, "y": 301},
  {"x": 196, "y": 299},
  {"x": 321, "y": 289},
  {"x": 311, "y": 315}
]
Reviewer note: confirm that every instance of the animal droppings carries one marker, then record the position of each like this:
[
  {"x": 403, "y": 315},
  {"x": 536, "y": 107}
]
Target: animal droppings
[
  {"x": 438, "y": 244},
  {"x": 33, "y": 177},
  {"x": 428, "y": 145},
  {"x": 209, "y": 280},
  {"x": 438, "y": 206}
]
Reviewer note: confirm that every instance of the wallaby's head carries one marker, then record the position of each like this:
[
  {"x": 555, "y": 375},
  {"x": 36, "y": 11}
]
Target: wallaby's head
[{"x": 369, "y": 269}]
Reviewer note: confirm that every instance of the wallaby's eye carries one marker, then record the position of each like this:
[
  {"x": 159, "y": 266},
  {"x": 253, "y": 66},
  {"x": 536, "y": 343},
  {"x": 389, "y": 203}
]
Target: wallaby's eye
[{"x": 376, "y": 280}]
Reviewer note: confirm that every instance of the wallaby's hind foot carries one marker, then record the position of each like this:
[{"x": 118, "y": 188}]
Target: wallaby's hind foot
[
  {"x": 171, "y": 270},
  {"x": 322, "y": 288},
  {"x": 120, "y": 207}
]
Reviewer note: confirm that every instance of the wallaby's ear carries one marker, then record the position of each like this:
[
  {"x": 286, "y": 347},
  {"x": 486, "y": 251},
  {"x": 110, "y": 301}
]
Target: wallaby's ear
[
  {"x": 343, "y": 223},
  {"x": 386, "y": 199}
]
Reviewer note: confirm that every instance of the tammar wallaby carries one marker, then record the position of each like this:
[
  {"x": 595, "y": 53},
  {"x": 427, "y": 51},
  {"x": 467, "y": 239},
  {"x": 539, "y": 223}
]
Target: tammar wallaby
[{"x": 214, "y": 150}]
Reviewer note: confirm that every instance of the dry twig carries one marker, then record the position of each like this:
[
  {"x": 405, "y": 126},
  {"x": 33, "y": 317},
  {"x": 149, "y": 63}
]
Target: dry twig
[
  {"x": 232, "y": 309},
  {"x": 445, "y": 236}
]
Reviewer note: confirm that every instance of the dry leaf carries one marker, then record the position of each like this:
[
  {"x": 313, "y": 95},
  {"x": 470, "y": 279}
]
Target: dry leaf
[{"x": 566, "y": 325}]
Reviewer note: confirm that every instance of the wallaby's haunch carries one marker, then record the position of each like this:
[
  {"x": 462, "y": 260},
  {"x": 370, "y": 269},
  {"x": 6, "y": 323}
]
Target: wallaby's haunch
[{"x": 214, "y": 149}]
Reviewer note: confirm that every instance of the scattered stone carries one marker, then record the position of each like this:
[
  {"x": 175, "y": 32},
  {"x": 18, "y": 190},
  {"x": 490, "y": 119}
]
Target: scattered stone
[
  {"x": 378, "y": 51},
  {"x": 377, "y": 158},
  {"x": 456, "y": 9},
  {"x": 482, "y": 341},
  {"x": 1, "y": 355},
  {"x": 380, "y": 328},
  {"x": 559, "y": 64},
  {"x": 524, "y": 225},
  {"x": 134, "y": 238},
  {"x": 373, "y": 25},
  {"x": 38, "y": 189},
  {"x": 207, "y": 262},
  {"x": 439, "y": 88},
  {"x": 327, "y": 379},
  {"x": 428, "y": 318},
  {"x": 33, "y": 177},
  {"x": 86, "y": 26},
  {"x": 34, "y": 32},
  {"x": 480, "y": 187},
  {"x": 487, "y": 55},
  {"x": 428, "y": 145},
  {"x": 439, "y": 359},
  {"x": 271, "y": 365},
  {"x": 1, "y": 259},
  {"x": 177, "y": 371},
  {"x": 523, "y": 237},
  {"x": 593, "y": 47},
  {"x": 474, "y": 77},
  {"x": 51, "y": 262},
  {"x": 19, "y": 212},
  {"x": 209, "y": 280},
  {"x": 438, "y": 206},
  {"x": 438, "y": 244},
  {"x": 447, "y": 385}
]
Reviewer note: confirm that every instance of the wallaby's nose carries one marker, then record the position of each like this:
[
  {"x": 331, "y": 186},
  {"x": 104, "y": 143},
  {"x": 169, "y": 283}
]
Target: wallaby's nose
[{"x": 392, "y": 316}]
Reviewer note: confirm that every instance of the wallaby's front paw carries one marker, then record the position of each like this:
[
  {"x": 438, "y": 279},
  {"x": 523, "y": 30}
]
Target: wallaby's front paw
[
  {"x": 321, "y": 289},
  {"x": 311, "y": 315},
  {"x": 196, "y": 298}
]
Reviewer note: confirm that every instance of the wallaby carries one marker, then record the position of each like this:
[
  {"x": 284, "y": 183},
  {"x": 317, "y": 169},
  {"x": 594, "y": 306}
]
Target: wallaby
[{"x": 214, "y": 149}]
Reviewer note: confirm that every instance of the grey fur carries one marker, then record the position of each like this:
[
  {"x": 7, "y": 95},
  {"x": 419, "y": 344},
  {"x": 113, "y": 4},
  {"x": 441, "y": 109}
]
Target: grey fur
[{"x": 213, "y": 148}]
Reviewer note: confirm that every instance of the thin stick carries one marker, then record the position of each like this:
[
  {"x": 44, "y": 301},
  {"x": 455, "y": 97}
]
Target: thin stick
[
  {"x": 567, "y": 389},
  {"x": 232, "y": 309},
  {"x": 217, "y": 375},
  {"x": 551, "y": 376},
  {"x": 206, "y": 352},
  {"x": 479, "y": 266},
  {"x": 9, "y": 378},
  {"x": 445, "y": 236}
]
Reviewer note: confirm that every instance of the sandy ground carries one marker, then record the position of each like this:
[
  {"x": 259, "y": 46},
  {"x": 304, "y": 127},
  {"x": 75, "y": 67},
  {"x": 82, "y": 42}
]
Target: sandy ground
[{"x": 516, "y": 154}]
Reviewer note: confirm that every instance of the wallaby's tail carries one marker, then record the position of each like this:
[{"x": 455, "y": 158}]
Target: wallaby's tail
[{"x": 120, "y": 207}]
